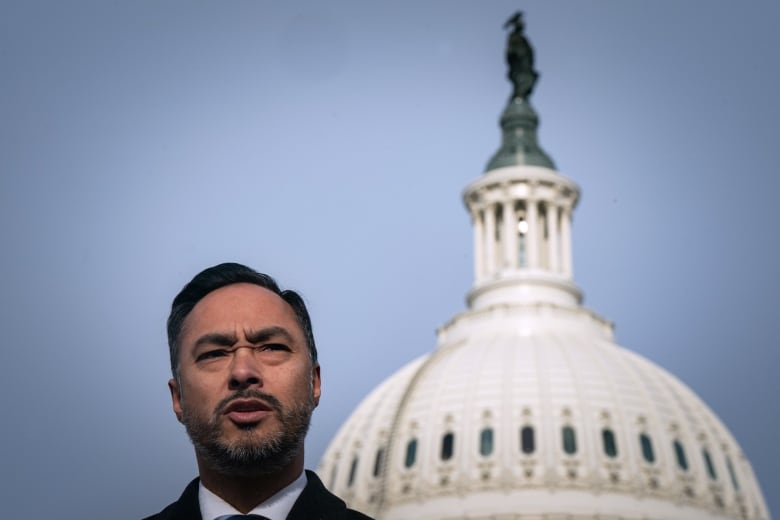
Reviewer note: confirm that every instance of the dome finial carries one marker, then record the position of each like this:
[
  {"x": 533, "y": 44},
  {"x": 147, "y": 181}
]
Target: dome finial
[
  {"x": 519, "y": 120},
  {"x": 520, "y": 58}
]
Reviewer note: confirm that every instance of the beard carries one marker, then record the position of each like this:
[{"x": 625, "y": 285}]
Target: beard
[{"x": 253, "y": 454}]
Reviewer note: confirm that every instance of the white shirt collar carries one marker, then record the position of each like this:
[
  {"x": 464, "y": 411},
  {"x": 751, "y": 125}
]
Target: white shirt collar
[{"x": 276, "y": 507}]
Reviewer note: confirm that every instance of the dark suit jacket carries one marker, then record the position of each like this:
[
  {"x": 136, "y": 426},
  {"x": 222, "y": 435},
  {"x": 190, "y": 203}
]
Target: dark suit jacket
[{"x": 315, "y": 503}]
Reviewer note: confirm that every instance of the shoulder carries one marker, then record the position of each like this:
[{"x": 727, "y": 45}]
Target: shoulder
[
  {"x": 317, "y": 502},
  {"x": 186, "y": 507}
]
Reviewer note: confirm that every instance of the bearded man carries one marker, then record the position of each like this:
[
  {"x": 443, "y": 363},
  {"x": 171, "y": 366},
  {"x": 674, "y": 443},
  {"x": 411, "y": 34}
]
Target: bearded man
[{"x": 245, "y": 383}]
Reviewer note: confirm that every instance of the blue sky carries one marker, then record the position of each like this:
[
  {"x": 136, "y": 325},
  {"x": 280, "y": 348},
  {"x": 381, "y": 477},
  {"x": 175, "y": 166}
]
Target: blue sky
[{"x": 327, "y": 144}]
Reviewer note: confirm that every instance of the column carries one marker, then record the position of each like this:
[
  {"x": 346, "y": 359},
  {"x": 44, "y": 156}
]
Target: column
[
  {"x": 532, "y": 237},
  {"x": 510, "y": 235},
  {"x": 566, "y": 241},
  {"x": 490, "y": 239},
  {"x": 479, "y": 237},
  {"x": 553, "y": 235}
]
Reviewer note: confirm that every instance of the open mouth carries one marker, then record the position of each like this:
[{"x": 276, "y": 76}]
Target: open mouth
[{"x": 247, "y": 411}]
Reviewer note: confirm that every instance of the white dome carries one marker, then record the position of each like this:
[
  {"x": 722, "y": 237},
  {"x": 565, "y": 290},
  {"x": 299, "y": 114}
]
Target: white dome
[
  {"x": 550, "y": 370},
  {"x": 527, "y": 409}
]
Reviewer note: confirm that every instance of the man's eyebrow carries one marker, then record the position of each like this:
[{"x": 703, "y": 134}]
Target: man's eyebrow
[
  {"x": 263, "y": 335},
  {"x": 216, "y": 338}
]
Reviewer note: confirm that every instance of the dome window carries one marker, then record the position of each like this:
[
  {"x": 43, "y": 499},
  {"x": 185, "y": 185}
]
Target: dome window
[
  {"x": 411, "y": 453},
  {"x": 527, "y": 440},
  {"x": 333, "y": 475},
  {"x": 647, "y": 448},
  {"x": 569, "y": 440},
  {"x": 447, "y": 446},
  {"x": 486, "y": 442},
  {"x": 380, "y": 455},
  {"x": 732, "y": 474},
  {"x": 352, "y": 472},
  {"x": 610, "y": 447},
  {"x": 682, "y": 460},
  {"x": 708, "y": 463},
  {"x": 522, "y": 237}
]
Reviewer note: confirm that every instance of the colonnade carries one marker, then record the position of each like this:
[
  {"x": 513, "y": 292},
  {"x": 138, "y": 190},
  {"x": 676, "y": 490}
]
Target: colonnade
[{"x": 512, "y": 235}]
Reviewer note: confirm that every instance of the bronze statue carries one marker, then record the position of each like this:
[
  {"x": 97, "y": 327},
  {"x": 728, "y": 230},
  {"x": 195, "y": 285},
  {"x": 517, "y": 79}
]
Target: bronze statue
[{"x": 520, "y": 58}]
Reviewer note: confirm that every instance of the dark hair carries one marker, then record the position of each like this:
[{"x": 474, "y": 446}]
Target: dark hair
[{"x": 217, "y": 277}]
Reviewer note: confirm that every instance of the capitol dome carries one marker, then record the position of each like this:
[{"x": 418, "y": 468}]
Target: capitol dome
[{"x": 527, "y": 408}]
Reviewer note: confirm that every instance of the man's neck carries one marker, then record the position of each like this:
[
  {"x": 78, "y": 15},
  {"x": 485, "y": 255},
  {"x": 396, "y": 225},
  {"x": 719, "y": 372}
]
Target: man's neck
[{"x": 246, "y": 493}]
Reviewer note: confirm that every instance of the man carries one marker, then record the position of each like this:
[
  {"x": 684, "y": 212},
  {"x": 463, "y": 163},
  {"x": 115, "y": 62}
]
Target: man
[{"x": 245, "y": 383}]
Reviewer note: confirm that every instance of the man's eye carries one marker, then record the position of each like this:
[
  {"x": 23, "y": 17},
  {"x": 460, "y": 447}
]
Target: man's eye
[
  {"x": 211, "y": 354},
  {"x": 275, "y": 347}
]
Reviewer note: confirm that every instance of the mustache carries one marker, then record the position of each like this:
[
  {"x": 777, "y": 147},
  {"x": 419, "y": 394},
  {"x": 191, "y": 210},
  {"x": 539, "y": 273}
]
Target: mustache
[{"x": 249, "y": 393}]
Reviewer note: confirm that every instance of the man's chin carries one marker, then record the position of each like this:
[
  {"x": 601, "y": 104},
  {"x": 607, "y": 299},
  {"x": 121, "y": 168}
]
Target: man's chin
[{"x": 248, "y": 458}]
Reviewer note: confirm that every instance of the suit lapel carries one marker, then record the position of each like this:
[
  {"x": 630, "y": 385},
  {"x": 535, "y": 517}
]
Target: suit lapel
[
  {"x": 188, "y": 505},
  {"x": 316, "y": 502}
]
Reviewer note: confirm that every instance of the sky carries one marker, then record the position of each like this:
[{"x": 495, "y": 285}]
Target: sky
[{"x": 327, "y": 144}]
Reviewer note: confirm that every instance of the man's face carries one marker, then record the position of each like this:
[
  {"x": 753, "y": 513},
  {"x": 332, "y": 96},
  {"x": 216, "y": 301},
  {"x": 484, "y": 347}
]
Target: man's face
[{"x": 246, "y": 387}]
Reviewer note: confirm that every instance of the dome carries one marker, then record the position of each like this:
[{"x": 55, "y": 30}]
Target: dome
[
  {"x": 519, "y": 119},
  {"x": 531, "y": 411},
  {"x": 527, "y": 408}
]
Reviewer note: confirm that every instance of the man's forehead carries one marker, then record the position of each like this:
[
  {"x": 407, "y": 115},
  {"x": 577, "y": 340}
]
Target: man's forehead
[{"x": 242, "y": 304}]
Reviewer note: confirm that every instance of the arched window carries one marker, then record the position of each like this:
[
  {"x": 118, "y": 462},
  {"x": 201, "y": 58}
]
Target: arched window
[
  {"x": 527, "y": 440},
  {"x": 610, "y": 447},
  {"x": 733, "y": 474},
  {"x": 679, "y": 452},
  {"x": 380, "y": 455},
  {"x": 647, "y": 448},
  {"x": 708, "y": 463},
  {"x": 569, "y": 440},
  {"x": 486, "y": 442},
  {"x": 333, "y": 475},
  {"x": 447, "y": 446},
  {"x": 352, "y": 471},
  {"x": 411, "y": 453}
]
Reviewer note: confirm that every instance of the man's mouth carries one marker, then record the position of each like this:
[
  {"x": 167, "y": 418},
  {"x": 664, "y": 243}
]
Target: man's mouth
[{"x": 247, "y": 411}]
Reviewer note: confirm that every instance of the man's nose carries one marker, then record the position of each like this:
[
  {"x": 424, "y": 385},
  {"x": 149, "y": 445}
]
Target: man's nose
[{"x": 244, "y": 369}]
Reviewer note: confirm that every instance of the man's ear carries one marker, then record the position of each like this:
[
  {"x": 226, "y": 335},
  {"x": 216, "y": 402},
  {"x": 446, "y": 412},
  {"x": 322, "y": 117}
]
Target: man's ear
[
  {"x": 316, "y": 383},
  {"x": 173, "y": 386}
]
